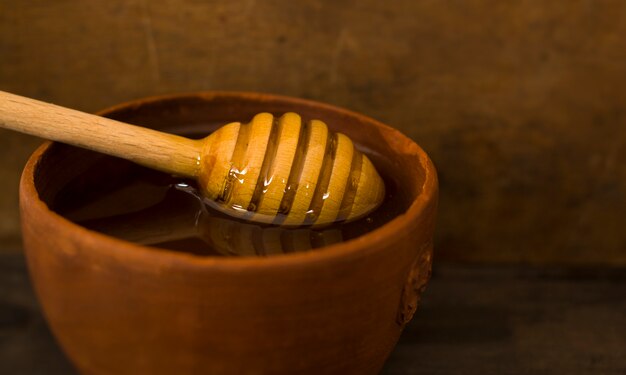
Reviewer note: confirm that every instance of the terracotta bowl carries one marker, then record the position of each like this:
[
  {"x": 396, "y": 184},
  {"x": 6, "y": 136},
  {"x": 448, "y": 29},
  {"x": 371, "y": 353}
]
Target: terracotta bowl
[{"x": 120, "y": 308}]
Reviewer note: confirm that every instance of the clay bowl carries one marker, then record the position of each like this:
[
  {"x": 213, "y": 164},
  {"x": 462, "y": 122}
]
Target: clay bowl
[{"x": 120, "y": 308}]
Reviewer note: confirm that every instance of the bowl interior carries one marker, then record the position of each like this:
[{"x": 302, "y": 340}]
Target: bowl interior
[{"x": 64, "y": 172}]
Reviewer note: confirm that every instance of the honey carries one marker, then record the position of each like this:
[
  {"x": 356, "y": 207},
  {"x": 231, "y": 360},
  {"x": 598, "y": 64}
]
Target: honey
[{"x": 137, "y": 204}]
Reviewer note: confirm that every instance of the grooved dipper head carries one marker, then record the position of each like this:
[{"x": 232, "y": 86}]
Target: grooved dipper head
[{"x": 288, "y": 172}]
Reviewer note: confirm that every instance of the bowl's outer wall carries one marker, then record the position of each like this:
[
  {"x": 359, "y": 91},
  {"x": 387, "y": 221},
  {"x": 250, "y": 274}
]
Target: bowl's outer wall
[{"x": 117, "y": 308}]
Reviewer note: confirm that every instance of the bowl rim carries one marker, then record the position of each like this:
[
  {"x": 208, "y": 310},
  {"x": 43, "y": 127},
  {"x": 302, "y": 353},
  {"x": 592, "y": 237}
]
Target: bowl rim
[{"x": 122, "y": 249}]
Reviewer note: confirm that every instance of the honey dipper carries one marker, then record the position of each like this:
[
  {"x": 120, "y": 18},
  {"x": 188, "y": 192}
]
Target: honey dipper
[{"x": 272, "y": 170}]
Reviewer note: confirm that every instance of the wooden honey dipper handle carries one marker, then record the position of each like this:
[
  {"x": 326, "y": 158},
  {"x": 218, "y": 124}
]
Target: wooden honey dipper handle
[
  {"x": 153, "y": 149},
  {"x": 273, "y": 170}
]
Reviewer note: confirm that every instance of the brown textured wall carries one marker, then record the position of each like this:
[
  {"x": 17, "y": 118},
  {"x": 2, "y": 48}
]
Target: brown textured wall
[{"x": 521, "y": 104}]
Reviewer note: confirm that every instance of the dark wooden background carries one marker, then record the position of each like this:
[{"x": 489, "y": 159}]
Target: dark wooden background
[{"x": 521, "y": 104}]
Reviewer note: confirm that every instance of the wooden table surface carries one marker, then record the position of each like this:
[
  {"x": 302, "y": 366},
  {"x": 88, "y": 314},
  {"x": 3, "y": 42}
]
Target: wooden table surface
[{"x": 473, "y": 320}]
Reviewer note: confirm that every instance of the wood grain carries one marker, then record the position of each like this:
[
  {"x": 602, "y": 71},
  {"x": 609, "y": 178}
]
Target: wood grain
[
  {"x": 539, "y": 321},
  {"x": 162, "y": 151},
  {"x": 520, "y": 104}
]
